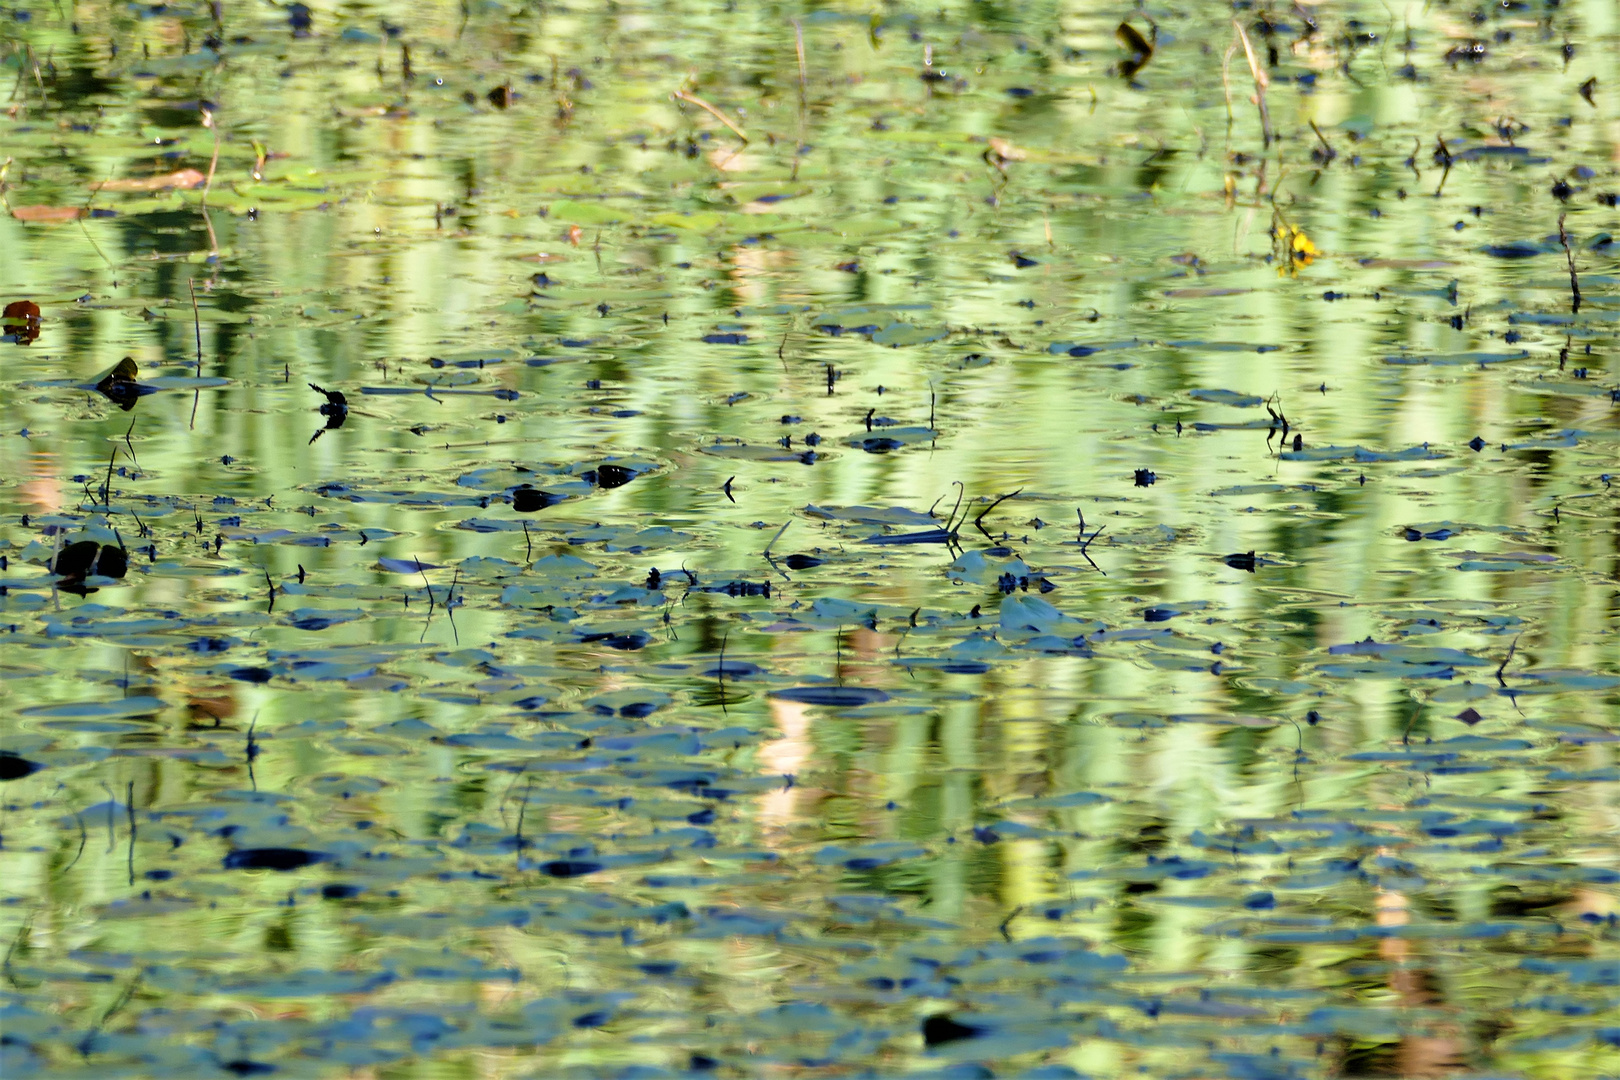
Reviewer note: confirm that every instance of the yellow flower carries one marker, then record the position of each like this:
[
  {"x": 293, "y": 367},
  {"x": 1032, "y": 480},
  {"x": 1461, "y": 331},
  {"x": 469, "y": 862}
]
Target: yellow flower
[{"x": 1298, "y": 247}]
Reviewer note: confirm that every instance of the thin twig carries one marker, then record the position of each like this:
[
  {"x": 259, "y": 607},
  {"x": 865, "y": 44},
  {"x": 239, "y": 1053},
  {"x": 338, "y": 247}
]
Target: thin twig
[
  {"x": 106, "y": 488},
  {"x": 1226, "y": 85},
  {"x": 84, "y": 835},
  {"x": 720, "y": 674},
  {"x": 961, "y": 489},
  {"x": 1569, "y": 257},
  {"x": 777, "y": 537},
  {"x": 804, "y": 79},
  {"x": 978, "y": 521},
  {"x": 682, "y": 95},
  {"x": 450, "y": 605},
  {"x": 196, "y": 322},
  {"x": 425, "y": 583},
  {"x": 213, "y": 162},
  {"x": 1261, "y": 82},
  {"x": 1085, "y": 542},
  {"x": 1508, "y": 659}
]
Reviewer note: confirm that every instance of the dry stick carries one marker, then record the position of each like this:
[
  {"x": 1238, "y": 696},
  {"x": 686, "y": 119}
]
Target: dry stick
[
  {"x": 95, "y": 189},
  {"x": 978, "y": 522},
  {"x": 528, "y": 544},
  {"x": 1406, "y": 733},
  {"x": 428, "y": 621},
  {"x": 425, "y": 583},
  {"x": 84, "y": 835},
  {"x": 682, "y": 95},
  {"x": 450, "y": 605},
  {"x": 777, "y": 537},
  {"x": 1327, "y": 147},
  {"x": 1261, "y": 82},
  {"x": 961, "y": 489},
  {"x": 804, "y": 79},
  {"x": 131, "y": 445},
  {"x": 213, "y": 162},
  {"x": 106, "y": 488},
  {"x": 1508, "y": 659},
  {"x": 804, "y": 99},
  {"x": 1087, "y": 543},
  {"x": 720, "y": 674},
  {"x": 196, "y": 322},
  {"x": 129, "y": 808},
  {"x": 1226, "y": 85},
  {"x": 1569, "y": 256},
  {"x": 1445, "y": 161}
]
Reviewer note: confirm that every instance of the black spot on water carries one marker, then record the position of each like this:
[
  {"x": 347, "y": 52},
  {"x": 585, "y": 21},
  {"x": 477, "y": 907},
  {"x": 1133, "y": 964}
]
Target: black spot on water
[
  {"x": 565, "y": 868},
  {"x": 15, "y": 766},
  {"x": 941, "y": 1029},
  {"x": 273, "y": 858},
  {"x": 526, "y": 499},
  {"x": 609, "y": 476}
]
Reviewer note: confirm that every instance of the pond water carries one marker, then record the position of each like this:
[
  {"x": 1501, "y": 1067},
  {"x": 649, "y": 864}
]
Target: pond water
[{"x": 644, "y": 540}]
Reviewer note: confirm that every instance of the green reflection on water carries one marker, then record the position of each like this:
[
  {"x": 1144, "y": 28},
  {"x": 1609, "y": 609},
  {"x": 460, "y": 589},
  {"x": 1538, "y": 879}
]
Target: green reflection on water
[{"x": 1179, "y": 821}]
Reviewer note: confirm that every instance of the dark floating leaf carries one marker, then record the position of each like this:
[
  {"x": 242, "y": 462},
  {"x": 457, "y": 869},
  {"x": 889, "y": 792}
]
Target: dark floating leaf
[
  {"x": 273, "y": 858},
  {"x": 407, "y": 566},
  {"x": 940, "y": 1029},
  {"x": 570, "y": 867},
  {"x": 1138, "y": 46},
  {"x": 1470, "y": 716},
  {"x": 526, "y": 499},
  {"x": 636, "y": 639},
  {"x": 835, "y": 697},
  {"x": 76, "y": 559},
  {"x": 113, "y": 562},
  {"x": 725, "y": 339},
  {"x": 1515, "y": 250},
  {"x": 801, "y": 562},
  {"x": 79, "y": 560},
  {"x": 609, "y": 476},
  {"x": 1242, "y": 561},
  {"x": 119, "y": 385},
  {"x": 15, "y": 766}
]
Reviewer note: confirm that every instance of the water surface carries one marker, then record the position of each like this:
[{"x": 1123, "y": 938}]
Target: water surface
[{"x": 975, "y": 565}]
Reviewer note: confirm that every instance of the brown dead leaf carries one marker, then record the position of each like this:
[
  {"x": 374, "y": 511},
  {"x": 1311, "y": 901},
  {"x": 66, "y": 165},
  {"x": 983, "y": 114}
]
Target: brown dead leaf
[
  {"x": 47, "y": 213},
  {"x": 21, "y": 321},
  {"x": 1006, "y": 150},
  {"x": 574, "y": 234},
  {"x": 182, "y": 178}
]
